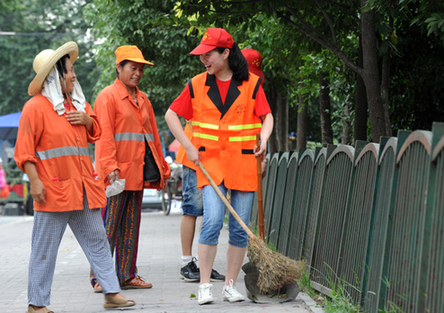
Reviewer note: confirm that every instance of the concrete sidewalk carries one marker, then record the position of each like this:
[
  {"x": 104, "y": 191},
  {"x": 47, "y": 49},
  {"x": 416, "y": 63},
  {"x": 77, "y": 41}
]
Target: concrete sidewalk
[{"x": 158, "y": 263}]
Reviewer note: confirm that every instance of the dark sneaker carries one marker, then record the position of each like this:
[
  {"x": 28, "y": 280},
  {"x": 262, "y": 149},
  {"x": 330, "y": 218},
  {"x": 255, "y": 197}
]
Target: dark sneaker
[
  {"x": 190, "y": 272},
  {"x": 215, "y": 275}
]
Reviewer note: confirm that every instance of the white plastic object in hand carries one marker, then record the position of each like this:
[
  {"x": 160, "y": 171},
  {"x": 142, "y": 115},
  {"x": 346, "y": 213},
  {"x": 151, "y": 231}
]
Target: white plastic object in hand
[{"x": 116, "y": 187}]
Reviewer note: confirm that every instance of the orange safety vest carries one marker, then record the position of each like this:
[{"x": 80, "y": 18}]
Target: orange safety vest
[
  {"x": 225, "y": 134},
  {"x": 125, "y": 129},
  {"x": 181, "y": 155},
  {"x": 60, "y": 153}
]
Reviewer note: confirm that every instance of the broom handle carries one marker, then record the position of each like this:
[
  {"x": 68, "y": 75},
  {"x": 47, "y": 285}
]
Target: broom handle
[
  {"x": 260, "y": 208},
  {"x": 225, "y": 201}
]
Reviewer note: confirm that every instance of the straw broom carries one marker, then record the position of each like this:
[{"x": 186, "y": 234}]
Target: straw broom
[{"x": 275, "y": 270}]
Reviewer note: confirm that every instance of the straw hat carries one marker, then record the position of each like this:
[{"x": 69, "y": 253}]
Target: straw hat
[{"x": 45, "y": 60}]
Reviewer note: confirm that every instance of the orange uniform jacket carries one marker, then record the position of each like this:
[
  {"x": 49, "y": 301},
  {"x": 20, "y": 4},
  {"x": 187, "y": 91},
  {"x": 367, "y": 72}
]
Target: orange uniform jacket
[
  {"x": 61, "y": 155},
  {"x": 225, "y": 134},
  {"x": 125, "y": 128}
]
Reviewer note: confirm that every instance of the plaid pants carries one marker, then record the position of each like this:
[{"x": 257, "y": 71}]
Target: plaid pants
[
  {"x": 47, "y": 233},
  {"x": 121, "y": 217}
]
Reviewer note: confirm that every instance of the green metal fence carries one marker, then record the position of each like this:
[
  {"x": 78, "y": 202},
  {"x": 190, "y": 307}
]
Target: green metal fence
[
  {"x": 378, "y": 225},
  {"x": 299, "y": 207},
  {"x": 433, "y": 254},
  {"x": 357, "y": 219},
  {"x": 370, "y": 216}
]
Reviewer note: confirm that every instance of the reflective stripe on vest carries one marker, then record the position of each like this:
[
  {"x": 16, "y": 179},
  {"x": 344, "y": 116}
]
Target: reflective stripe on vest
[
  {"x": 242, "y": 138},
  {"x": 230, "y": 127},
  {"x": 205, "y": 125},
  {"x": 133, "y": 137},
  {"x": 245, "y": 126},
  {"x": 205, "y": 136},
  {"x": 215, "y": 138},
  {"x": 63, "y": 151}
]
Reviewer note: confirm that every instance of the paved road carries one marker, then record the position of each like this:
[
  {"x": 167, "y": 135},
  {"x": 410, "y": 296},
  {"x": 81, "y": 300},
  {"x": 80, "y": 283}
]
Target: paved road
[{"x": 158, "y": 262}]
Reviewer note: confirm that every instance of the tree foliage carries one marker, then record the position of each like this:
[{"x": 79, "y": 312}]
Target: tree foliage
[
  {"x": 39, "y": 25},
  {"x": 153, "y": 27}
]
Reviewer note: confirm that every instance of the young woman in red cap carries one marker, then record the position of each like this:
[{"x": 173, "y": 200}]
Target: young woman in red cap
[
  {"x": 130, "y": 139},
  {"x": 227, "y": 107}
]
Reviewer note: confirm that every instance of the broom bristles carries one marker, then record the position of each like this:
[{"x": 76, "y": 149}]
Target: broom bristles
[{"x": 275, "y": 270}]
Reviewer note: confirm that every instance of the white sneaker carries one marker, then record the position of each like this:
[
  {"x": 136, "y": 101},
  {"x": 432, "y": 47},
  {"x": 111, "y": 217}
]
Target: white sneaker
[
  {"x": 205, "y": 295},
  {"x": 229, "y": 293}
]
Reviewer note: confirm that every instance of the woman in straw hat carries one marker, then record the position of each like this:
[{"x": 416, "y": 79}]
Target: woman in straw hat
[
  {"x": 52, "y": 149},
  {"x": 129, "y": 149},
  {"x": 227, "y": 107}
]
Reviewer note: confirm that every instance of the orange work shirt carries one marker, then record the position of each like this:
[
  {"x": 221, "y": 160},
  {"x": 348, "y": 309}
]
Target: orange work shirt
[
  {"x": 60, "y": 153},
  {"x": 126, "y": 125}
]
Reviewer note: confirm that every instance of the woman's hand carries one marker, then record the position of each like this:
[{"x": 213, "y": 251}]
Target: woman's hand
[
  {"x": 261, "y": 151},
  {"x": 193, "y": 155},
  {"x": 79, "y": 118},
  {"x": 114, "y": 175},
  {"x": 38, "y": 191}
]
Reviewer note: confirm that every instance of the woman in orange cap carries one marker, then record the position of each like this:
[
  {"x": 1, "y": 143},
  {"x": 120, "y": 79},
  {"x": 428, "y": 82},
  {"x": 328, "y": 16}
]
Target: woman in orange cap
[
  {"x": 227, "y": 107},
  {"x": 129, "y": 149},
  {"x": 55, "y": 128}
]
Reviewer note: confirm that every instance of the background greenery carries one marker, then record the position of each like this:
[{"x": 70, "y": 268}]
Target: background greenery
[{"x": 310, "y": 50}]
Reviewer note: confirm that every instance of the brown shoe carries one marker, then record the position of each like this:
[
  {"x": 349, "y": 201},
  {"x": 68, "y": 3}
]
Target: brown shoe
[
  {"x": 97, "y": 288},
  {"x": 137, "y": 283},
  {"x": 117, "y": 303},
  {"x": 32, "y": 309}
]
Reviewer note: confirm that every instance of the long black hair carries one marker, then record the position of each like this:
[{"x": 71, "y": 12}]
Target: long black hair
[
  {"x": 237, "y": 62},
  {"x": 61, "y": 65}
]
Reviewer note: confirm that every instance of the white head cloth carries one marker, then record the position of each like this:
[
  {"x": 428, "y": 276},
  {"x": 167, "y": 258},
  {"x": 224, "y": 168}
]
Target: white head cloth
[{"x": 52, "y": 90}]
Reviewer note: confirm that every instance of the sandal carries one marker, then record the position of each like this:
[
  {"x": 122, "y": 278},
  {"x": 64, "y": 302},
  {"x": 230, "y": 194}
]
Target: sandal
[
  {"x": 118, "y": 303},
  {"x": 97, "y": 288},
  {"x": 32, "y": 310}
]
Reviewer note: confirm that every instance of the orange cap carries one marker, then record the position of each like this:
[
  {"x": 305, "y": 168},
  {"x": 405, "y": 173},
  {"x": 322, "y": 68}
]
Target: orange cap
[
  {"x": 254, "y": 60},
  {"x": 130, "y": 53},
  {"x": 213, "y": 38}
]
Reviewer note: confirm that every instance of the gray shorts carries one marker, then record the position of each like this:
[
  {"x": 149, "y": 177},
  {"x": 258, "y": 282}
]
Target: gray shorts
[{"x": 192, "y": 196}]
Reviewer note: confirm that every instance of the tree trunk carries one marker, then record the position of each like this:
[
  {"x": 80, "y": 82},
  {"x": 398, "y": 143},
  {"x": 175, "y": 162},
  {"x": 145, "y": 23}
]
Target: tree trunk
[
  {"x": 279, "y": 107},
  {"x": 371, "y": 74},
  {"x": 325, "y": 110},
  {"x": 346, "y": 126},
  {"x": 302, "y": 124},
  {"x": 385, "y": 87},
  {"x": 360, "y": 122},
  {"x": 385, "y": 92}
]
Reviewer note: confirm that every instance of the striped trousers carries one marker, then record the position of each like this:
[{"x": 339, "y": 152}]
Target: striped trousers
[
  {"x": 47, "y": 234},
  {"x": 121, "y": 218}
]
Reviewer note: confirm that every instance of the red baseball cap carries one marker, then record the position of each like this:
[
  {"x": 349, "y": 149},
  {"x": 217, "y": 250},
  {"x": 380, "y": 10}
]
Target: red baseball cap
[
  {"x": 254, "y": 60},
  {"x": 213, "y": 38}
]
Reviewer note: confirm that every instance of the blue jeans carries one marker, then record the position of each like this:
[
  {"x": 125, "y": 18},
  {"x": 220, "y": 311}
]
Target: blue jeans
[
  {"x": 192, "y": 196},
  {"x": 214, "y": 212}
]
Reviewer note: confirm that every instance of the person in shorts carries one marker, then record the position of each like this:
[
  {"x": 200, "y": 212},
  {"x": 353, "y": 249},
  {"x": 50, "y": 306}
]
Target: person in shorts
[{"x": 192, "y": 207}]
